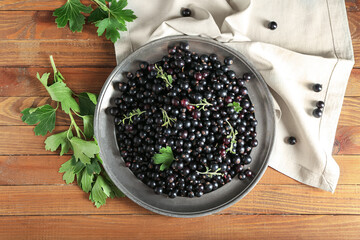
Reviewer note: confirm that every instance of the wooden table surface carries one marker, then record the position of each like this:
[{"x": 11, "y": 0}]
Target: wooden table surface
[{"x": 35, "y": 202}]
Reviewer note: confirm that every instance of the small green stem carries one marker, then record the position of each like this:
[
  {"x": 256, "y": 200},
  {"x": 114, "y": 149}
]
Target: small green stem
[
  {"x": 68, "y": 131},
  {"x": 128, "y": 117},
  {"x": 103, "y": 6},
  {"x": 211, "y": 174},
  {"x": 167, "y": 120},
  {"x": 232, "y": 136},
  {"x": 53, "y": 64},
  {"x": 203, "y": 103},
  {"x": 75, "y": 125}
]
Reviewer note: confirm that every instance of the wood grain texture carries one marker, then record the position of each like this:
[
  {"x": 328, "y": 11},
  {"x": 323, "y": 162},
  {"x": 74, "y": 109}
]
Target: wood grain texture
[
  {"x": 22, "y": 140},
  {"x": 10, "y": 108},
  {"x": 356, "y": 46},
  {"x": 22, "y": 82},
  {"x": 263, "y": 199},
  {"x": 39, "y": 25},
  {"x": 353, "y": 87},
  {"x": 160, "y": 227},
  {"x": 89, "y": 53},
  {"x": 43, "y": 170},
  {"x": 352, "y": 5},
  {"x": 18, "y": 25},
  {"x": 11, "y": 5},
  {"x": 350, "y": 108},
  {"x": 35, "y": 53},
  {"x": 354, "y": 24},
  {"x": 31, "y": 170},
  {"x": 347, "y": 140}
]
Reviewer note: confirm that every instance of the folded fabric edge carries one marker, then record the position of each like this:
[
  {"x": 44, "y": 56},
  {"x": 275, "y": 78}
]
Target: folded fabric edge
[{"x": 306, "y": 176}]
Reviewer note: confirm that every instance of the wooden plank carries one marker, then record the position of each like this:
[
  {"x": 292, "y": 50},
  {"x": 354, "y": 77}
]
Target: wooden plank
[
  {"x": 350, "y": 108},
  {"x": 89, "y": 53},
  {"x": 39, "y": 25},
  {"x": 18, "y": 140},
  {"x": 31, "y": 170},
  {"x": 160, "y": 227},
  {"x": 356, "y": 47},
  {"x": 35, "y": 4},
  {"x": 351, "y": 5},
  {"x": 22, "y": 82},
  {"x": 353, "y": 87},
  {"x": 263, "y": 199},
  {"x": 10, "y": 108},
  {"x": 349, "y": 172},
  {"x": 43, "y": 170},
  {"x": 347, "y": 140},
  {"x": 354, "y": 24}
]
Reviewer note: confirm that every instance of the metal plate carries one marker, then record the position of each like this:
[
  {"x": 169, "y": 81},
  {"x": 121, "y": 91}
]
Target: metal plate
[{"x": 137, "y": 191}]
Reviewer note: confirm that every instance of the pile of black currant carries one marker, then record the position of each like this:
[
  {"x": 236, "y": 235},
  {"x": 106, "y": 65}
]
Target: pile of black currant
[{"x": 185, "y": 125}]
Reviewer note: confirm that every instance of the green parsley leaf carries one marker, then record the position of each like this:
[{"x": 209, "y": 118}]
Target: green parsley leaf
[
  {"x": 71, "y": 12},
  {"x": 54, "y": 141},
  {"x": 59, "y": 92},
  {"x": 45, "y": 117},
  {"x": 86, "y": 181},
  {"x": 112, "y": 27},
  {"x": 68, "y": 169},
  {"x": 43, "y": 79},
  {"x": 99, "y": 192},
  {"x": 88, "y": 125},
  {"x": 111, "y": 19},
  {"x": 78, "y": 177},
  {"x": 94, "y": 167},
  {"x": 84, "y": 150},
  {"x": 115, "y": 191},
  {"x": 236, "y": 106},
  {"x": 97, "y": 15},
  {"x": 116, "y": 9},
  {"x": 165, "y": 158},
  {"x": 87, "y": 103},
  {"x": 78, "y": 166}
]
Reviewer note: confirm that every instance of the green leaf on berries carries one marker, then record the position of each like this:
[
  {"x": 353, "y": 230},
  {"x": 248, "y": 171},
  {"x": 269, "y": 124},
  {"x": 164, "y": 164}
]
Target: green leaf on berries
[
  {"x": 236, "y": 106},
  {"x": 165, "y": 158}
]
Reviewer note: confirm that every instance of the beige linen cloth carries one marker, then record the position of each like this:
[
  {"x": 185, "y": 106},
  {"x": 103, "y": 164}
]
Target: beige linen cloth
[{"x": 312, "y": 44}]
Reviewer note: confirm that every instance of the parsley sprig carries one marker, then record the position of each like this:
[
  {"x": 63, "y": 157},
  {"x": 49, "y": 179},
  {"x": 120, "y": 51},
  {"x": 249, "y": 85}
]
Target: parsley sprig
[
  {"x": 209, "y": 173},
  {"x": 109, "y": 16},
  {"x": 136, "y": 112},
  {"x": 232, "y": 136},
  {"x": 85, "y": 163},
  {"x": 167, "y": 120},
  {"x": 202, "y": 104},
  {"x": 166, "y": 77}
]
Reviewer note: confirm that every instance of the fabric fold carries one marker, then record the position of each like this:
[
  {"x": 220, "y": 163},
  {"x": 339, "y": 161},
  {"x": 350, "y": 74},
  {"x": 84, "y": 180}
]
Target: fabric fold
[{"x": 311, "y": 45}]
